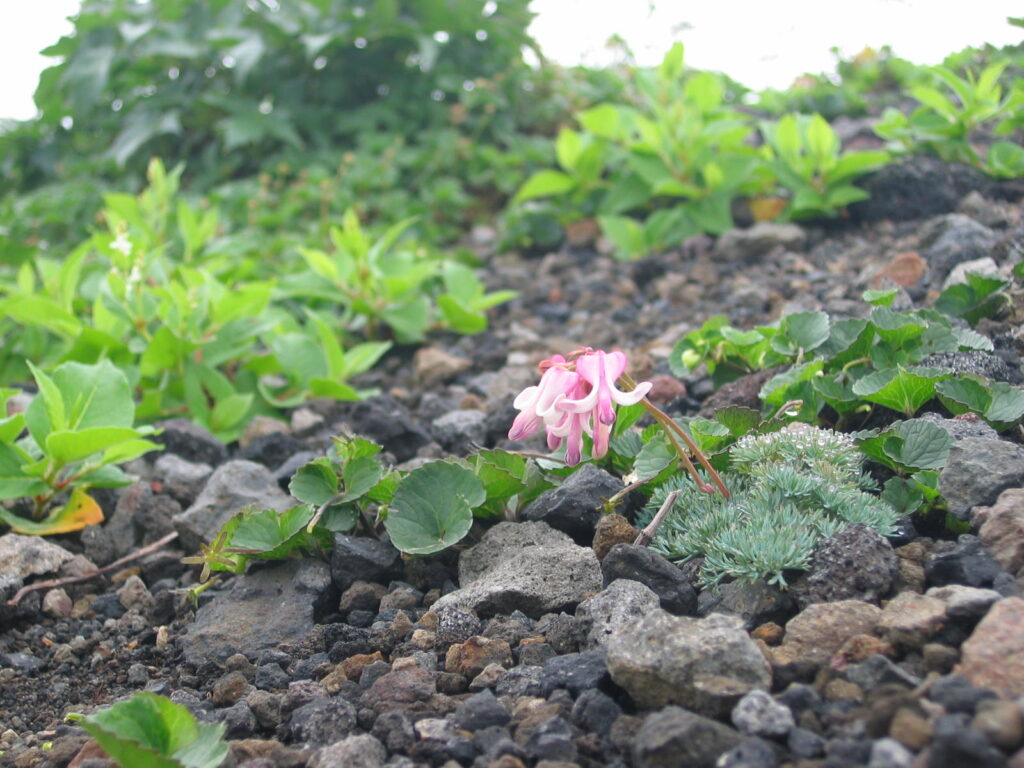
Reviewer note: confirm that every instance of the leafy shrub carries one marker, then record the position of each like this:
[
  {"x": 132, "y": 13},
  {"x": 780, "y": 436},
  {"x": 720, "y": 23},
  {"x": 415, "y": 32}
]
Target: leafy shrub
[{"x": 79, "y": 426}]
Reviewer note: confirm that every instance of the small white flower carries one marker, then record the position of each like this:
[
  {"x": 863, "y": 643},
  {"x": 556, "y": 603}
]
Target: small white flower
[{"x": 122, "y": 244}]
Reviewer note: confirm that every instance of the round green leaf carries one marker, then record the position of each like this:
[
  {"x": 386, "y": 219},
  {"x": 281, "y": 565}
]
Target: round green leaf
[{"x": 432, "y": 508}]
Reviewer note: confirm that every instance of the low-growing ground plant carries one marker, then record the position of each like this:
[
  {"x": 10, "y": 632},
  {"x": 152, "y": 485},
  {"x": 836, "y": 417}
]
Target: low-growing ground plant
[{"x": 790, "y": 489}]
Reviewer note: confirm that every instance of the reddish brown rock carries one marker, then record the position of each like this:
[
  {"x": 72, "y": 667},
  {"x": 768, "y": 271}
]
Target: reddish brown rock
[
  {"x": 904, "y": 269},
  {"x": 471, "y": 657},
  {"x": 993, "y": 656},
  {"x": 612, "y": 530},
  {"x": 1003, "y": 529}
]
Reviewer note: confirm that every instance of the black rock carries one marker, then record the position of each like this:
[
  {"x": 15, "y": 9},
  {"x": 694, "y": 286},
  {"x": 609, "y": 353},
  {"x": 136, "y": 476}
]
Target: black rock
[
  {"x": 482, "y": 710},
  {"x": 595, "y": 711},
  {"x": 535, "y": 654},
  {"x": 238, "y": 719},
  {"x": 975, "y": 361},
  {"x": 395, "y": 731},
  {"x": 108, "y": 606},
  {"x": 855, "y": 564},
  {"x": 191, "y": 442},
  {"x": 848, "y": 752},
  {"x": 552, "y": 740},
  {"x": 918, "y": 187},
  {"x": 628, "y": 561},
  {"x": 805, "y": 744},
  {"x": 673, "y": 737},
  {"x": 957, "y": 694},
  {"x": 755, "y": 603},
  {"x": 977, "y": 471},
  {"x": 968, "y": 563},
  {"x": 456, "y": 625},
  {"x": 344, "y": 640},
  {"x": 271, "y": 450},
  {"x": 955, "y": 745},
  {"x": 359, "y": 557},
  {"x": 519, "y": 681},
  {"x": 270, "y": 677},
  {"x": 388, "y": 422},
  {"x": 575, "y": 506},
  {"x": 576, "y": 672},
  {"x": 323, "y": 721}
]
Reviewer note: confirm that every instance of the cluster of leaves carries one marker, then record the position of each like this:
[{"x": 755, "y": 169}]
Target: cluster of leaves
[
  {"x": 69, "y": 439},
  {"x": 840, "y": 369},
  {"x": 671, "y": 165},
  {"x": 425, "y": 510},
  {"x": 151, "y": 730},
  {"x": 790, "y": 489},
  {"x": 952, "y": 113},
  {"x": 201, "y": 325}
]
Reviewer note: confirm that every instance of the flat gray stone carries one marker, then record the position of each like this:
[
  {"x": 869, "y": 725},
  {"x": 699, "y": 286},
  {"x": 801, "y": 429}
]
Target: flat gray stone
[
  {"x": 529, "y": 567},
  {"x": 673, "y": 737},
  {"x": 270, "y": 606}
]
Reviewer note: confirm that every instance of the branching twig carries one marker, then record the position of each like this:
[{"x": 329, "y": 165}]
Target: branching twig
[{"x": 149, "y": 548}]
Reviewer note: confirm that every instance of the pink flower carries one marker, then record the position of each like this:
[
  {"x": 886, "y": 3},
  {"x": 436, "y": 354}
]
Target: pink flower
[
  {"x": 576, "y": 402},
  {"x": 537, "y": 404}
]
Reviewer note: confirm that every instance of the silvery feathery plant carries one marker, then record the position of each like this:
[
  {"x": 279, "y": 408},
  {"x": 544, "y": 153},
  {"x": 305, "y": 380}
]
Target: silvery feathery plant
[{"x": 791, "y": 489}]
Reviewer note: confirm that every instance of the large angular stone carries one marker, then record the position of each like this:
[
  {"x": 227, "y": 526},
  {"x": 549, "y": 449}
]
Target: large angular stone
[
  {"x": 620, "y": 604},
  {"x": 673, "y": 737},
  {"x": 705, "y": 665},
  {"x": 524, "y": 566},
  {"x": 993, "y": 656},
  {"x": 263, "y": 608},
  {"x": 977, "y": 471}
]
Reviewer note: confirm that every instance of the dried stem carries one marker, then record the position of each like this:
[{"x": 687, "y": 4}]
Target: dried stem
[
  {"x": 670, "y": 427},
  {"x": 148, "y": 549},
  {"x": 647, "y": 534}
]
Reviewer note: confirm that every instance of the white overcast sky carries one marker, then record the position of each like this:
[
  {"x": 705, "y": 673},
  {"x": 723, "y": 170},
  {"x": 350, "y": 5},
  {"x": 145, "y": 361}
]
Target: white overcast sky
[{"x": 758, "y": 42}]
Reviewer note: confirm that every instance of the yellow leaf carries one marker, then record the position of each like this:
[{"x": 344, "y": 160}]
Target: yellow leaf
[
  {"x": 80, "y": 511},
  {"x": 767, "y": 208}
]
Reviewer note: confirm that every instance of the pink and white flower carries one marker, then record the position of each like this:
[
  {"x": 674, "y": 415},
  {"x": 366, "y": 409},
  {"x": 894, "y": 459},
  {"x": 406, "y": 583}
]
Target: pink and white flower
[{"x": 576, "y": 398}]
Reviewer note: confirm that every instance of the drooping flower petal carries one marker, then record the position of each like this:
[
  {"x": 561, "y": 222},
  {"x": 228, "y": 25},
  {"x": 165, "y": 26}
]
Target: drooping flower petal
[{"x": 538, "y": 403}]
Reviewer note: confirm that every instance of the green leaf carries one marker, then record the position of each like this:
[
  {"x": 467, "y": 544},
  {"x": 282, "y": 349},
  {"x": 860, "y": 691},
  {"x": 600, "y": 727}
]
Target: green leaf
[
  {"x": 432, "y": 508},
  {"x": 960, "y": 394},
  {"x": 47, "y": 411},
  {"x": 360, "y": 475},
  {"x": 459, "y": 317},
  {"x": 900, "y": 389},
  {"x": 1007, "y": 406},
  {"x": 41, "y": 312},
  {"x": 270, "y": 534},
  {"x": 152, "y": 731},
  {"x": 627, "y": 234},
  {"x": 67, "y": 446},
  {"x": 924, "y": 445},
  {"x": 656, "y": 455},
  {"x": 881, "y": 297},
  {"x": 14, "y": 481},
  {"x": 807, "y": 330},
  {"x": 544, "y": 184},
  {"x": 738, "y": 419},
  {"x": 81, "y": 510},
  {"x": 315, "y": 482}
]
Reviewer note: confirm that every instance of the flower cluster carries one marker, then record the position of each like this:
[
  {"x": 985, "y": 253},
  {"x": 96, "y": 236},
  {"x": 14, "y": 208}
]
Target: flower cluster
[{"x": 575, "y": 397}]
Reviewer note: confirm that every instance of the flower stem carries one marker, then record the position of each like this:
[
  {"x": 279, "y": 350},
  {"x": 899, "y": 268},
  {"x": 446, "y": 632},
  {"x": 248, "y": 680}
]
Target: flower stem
[{"x": 673, "y": 430}]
